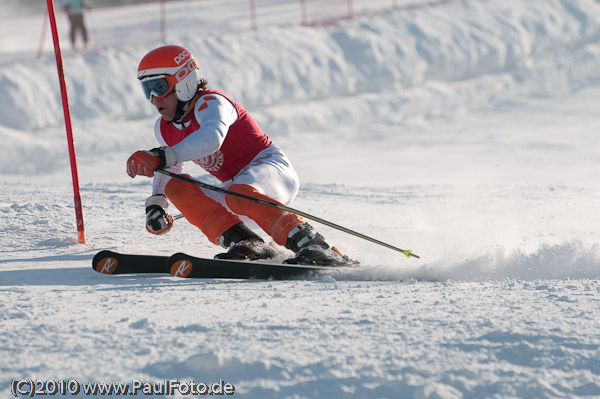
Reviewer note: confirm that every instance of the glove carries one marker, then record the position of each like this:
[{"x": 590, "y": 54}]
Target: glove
[
  {"x": 144, "y": 163},
  {"x": 158, "y": 221}
]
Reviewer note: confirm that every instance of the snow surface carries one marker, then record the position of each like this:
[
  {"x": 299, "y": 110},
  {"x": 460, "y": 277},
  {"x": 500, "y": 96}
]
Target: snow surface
[{"x": 466, "y": 131}]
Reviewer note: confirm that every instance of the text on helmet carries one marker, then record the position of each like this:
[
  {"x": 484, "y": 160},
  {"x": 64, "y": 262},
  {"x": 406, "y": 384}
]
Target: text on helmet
[
  {"x": 185, "y": 70},
  {"x": 181, "y": 57}
]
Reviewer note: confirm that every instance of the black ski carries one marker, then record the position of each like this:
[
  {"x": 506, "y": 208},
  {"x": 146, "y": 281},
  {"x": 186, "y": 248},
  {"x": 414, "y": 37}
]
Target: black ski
[
  {"x": 187, "y": 266},
  {"x": 183, "y": 265},
  {"x": 109, "y": 262}
]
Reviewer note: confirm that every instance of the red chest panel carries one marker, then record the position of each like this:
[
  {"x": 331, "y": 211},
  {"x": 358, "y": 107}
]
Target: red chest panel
[{"x": 244, "y": 140}]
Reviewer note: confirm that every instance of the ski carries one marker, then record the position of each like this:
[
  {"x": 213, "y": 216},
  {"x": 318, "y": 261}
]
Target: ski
[
  {"x": 109, "y": 262},
  {"x": 187, "y": 266}
]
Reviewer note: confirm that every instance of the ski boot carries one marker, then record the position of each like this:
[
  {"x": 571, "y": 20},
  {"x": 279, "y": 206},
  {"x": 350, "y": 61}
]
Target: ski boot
[
  {"x": 244, "y": 244},
  {"x": 311, "y": 248}
]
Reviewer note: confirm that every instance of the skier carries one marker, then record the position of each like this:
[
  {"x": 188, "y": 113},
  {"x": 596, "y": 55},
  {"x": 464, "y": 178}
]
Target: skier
[
  {"x": 74, "y": 9},
  {"x": 208, "y": 128}
]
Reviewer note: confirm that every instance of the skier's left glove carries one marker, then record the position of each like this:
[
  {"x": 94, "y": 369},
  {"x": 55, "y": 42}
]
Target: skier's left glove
[
  {"x": 144, "y": 163},
  {"x": 158, "y": 221}
]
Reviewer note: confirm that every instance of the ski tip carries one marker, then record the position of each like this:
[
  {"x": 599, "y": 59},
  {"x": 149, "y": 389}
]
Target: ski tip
[
  {"x": 105, "y": 263},
  {"x": 179, "y": 266}
]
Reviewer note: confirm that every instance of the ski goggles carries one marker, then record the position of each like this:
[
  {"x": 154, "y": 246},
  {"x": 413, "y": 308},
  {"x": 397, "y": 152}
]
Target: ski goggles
[{"x": 158, "y": 86}]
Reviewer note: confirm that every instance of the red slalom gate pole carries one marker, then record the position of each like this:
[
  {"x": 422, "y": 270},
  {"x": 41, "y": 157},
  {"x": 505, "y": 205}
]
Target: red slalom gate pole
[
  {"x": 163, "y": 21},
  {"x": 65, "y": 103},
  {"x": 42, "y": 37},
  {"x": 303, "y": 14},
  {"x": 253, "y": 14}
]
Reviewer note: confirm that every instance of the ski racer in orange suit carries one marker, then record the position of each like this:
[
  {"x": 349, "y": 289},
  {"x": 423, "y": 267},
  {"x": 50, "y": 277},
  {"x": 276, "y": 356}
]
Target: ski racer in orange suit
[{"x": 210, "y": 129}]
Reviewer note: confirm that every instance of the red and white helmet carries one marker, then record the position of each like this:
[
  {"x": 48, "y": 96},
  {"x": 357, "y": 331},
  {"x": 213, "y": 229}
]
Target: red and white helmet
[{"x": 166, "y": 69}]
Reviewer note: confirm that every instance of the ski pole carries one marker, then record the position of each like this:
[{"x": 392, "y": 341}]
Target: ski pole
[{"x": 407, "y": 252}]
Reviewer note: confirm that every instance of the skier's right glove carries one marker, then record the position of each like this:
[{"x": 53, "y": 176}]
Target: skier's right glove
[
  {"x": 144, "y": 163},
  {"x": 158, "y": 221}
]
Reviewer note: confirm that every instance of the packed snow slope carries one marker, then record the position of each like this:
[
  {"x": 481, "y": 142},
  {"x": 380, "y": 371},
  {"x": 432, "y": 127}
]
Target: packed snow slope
[{"x": 466, "y": 131}]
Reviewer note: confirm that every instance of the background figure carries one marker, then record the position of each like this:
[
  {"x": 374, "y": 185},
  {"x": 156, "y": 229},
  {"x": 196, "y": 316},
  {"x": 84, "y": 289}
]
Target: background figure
[{"x": 74, "y": 8}]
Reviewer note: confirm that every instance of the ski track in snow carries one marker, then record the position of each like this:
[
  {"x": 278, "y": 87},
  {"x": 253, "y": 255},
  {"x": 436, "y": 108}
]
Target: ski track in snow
[{"x": 465, "y": 131}]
